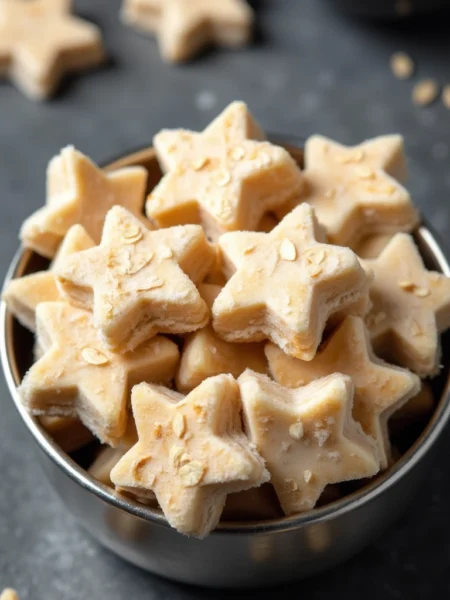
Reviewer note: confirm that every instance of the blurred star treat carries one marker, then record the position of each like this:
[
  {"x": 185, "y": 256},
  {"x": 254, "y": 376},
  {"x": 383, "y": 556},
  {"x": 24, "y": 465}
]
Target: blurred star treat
[
  {"x": 185, "y": 28},
  {"x": 9, "y": 594},
  {"x": 40, "y": 41}
]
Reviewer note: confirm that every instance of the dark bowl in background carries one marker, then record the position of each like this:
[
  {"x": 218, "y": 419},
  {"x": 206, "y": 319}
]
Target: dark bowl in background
[{"x": 389, "y": 9}]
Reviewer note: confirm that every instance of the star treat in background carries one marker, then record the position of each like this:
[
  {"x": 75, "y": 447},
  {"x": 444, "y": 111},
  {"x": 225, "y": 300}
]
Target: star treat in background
[
  {"x": 41, "y": 41},
  {"x": 184, "y": 28}
]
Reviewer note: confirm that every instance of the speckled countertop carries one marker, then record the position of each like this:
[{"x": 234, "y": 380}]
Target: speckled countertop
[{"x": 310, "y": 70}]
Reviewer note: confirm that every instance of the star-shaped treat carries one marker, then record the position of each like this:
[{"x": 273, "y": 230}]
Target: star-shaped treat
[
  {"x": 224, "y": 178},
  {"x": 40, "y": 41},
  {"x": 411, "y": 306},
  {"x": 205, "y": 354},
  {"x": 78, "y": 376},
  {"x": 373, "y": 245},
  {"x": 184, "y": 28},
  {"x": 79, "y": 192},
  {"x": 191, "y": 452},
  {"x": 286, "y": 285},
  {"x": 355, "y": 191},
  {"x": 380, "y": 388},
  {"x": 22, "y": 295},
  {"x": 307, "y": 436},
  {"x": 139, "y": 282}
]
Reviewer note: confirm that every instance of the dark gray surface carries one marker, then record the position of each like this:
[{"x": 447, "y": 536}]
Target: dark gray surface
[{"x": 311, "y": 70}]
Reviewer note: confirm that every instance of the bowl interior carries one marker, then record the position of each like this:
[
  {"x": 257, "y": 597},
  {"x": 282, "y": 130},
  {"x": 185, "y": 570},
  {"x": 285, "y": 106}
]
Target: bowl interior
[{"x": 411, "y": 443}]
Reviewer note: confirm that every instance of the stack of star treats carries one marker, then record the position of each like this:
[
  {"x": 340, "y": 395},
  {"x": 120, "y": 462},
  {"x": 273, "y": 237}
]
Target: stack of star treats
[{"x": 232, "y": 342}]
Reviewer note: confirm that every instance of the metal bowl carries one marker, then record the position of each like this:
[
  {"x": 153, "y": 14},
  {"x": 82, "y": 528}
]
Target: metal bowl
[{"x": 237, "y": 554}]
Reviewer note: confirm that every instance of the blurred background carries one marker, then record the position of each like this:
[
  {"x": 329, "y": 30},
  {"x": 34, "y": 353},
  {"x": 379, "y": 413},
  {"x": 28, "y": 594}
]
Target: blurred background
[{"x": 316, "y": 66}]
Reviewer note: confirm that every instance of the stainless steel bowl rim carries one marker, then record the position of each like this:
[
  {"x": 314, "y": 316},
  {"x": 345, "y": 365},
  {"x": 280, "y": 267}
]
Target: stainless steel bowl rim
[{"x": 320, "y": 515}]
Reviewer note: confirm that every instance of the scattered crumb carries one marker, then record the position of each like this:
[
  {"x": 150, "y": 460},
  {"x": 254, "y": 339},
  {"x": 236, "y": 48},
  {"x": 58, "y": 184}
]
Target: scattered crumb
[
  {"x": 205, "y": 100},
  {"x": 402, "y": 65},
  {"x": 425, "y": 92},
  {"x": 446, "y": 96}
]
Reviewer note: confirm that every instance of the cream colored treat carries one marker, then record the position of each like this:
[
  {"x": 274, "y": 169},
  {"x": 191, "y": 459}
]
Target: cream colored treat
[
  {"x": 191, "y": 452},
  {"x": 68, "y": 432},
  {"x": 224, "y": 178},
  {"x": 410, "y": 307},
  {"x": 205, "y": 354},
  {"x": 78, "y": 376},
  {"x": 108, "y": 457},
  {"x": 307, "y": 436},
  {"x": 144, "y": 15},
  {"x": 380, "y": 388},
  {"x": 79, "y": 192},
  {"x": 104, "y": 463},
  {"x": 286, "y": 285},
  {"x": 256, "y": 504},
  {"x": 9, "y": 594},
  {"x": 40, "y": 41},
  {"x": 22, "y": 295},
  {"x": 355, "y": 191},
  {"x": 185, "y": 28},
  {"x": 373, "y": 245},
  {"x": 139, "y": 282}
]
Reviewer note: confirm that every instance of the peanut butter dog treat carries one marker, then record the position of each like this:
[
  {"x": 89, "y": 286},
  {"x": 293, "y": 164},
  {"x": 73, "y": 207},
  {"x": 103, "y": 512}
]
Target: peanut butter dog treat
[
  {"x": 410, "y": 307},
  {"x": 40, "y": 41},
  {"x": 191, "y": 452},
  {"x": 22, "y": 295},
  {"x": 221, "y": 178},
  {"x": 185, "y": 28},
  {"x": 9, "y": 594},
  {"x": 68, "y": 432},
  {"x": 380, "y": 388},
  {"x": 373, "y": 245},
  {"x": 355, "y": 191},
  {"x": 307, "y": 436},
  {"x": 79, "y": 377},
  {"x": 205, "y": 354},
  {"x": 286, "y": 286},
  {"x": 79, "y": 192},
  {"x": 104, "y": 463},
  {"x": 138, "y": 282},
  {"x": 108, "y": 457}
]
